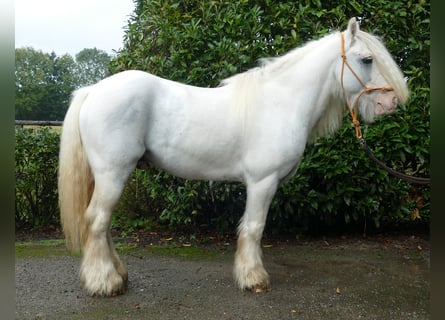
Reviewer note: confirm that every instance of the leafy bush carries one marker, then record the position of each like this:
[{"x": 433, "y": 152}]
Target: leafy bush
[
  {"x": 338, "y": 187},
  {"x": 36, "y": 157},
  {"x": 202, "y": 42},
  {"x": 171, "y": 201}
]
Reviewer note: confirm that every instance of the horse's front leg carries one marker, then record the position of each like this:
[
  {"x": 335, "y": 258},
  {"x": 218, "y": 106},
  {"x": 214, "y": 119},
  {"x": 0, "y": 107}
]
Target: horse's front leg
[{"x": 248, "y": 270}]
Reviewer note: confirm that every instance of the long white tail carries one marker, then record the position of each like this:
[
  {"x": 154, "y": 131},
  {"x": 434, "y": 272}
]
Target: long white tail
[{"x": 76, "y": 182}]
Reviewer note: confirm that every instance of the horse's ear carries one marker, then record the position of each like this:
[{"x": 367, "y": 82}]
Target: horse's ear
[
  {"x": 351, "y": 32},
  {"x": 353, "y": 27}
]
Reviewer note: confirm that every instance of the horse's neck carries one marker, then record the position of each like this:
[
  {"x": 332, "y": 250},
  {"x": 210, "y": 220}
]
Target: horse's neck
[
  {"x": 311, "y": 85},
  {"x": 312, "y": 69}
]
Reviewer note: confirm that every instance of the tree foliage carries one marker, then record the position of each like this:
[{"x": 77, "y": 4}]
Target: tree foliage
[
  {"x": 45, "y": 81},
  {"x": 201, "y": 42},
  {"x": 43, "y": 84},
  {"x": 91, "y": 66}
]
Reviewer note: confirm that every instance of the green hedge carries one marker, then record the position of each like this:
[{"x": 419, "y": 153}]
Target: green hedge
[
  {"x": 201, "y": 42},
  {"x": 36, "y": 163},
  {"x": 336, "y": 187}
]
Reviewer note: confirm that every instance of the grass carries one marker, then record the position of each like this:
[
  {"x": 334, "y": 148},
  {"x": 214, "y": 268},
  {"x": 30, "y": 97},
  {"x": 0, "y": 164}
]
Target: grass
[
  {"x": 42, "y": 248},
  {"x": 55, "y": 248},
  {"x": 169, "y": 249}
]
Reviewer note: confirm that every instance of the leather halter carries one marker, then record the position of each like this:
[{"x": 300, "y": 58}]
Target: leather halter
[
  {"x": 353, "y": 109},
  {"x": 358, "y": 132}
]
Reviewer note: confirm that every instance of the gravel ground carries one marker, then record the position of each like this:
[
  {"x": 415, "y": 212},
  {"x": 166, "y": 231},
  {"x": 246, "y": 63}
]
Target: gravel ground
[{"x": 323, "y": 279}]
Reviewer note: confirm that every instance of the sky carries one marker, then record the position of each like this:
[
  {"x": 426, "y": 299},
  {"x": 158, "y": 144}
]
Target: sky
[{"x": 69, "y": 26}]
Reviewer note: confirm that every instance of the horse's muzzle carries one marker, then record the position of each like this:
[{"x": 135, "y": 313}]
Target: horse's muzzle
[{"x": 386, "y": 103}]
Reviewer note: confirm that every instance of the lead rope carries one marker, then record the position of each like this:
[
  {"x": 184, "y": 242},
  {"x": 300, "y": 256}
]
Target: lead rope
[{"x": 358, "y": 132}]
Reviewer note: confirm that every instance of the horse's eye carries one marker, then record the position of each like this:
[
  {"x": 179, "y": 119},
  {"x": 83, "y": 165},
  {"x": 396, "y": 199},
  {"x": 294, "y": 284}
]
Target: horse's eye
[{"x": 367, "y": 60}]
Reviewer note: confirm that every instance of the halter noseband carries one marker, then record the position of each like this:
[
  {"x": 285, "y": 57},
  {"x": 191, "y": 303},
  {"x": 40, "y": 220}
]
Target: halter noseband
[{"x": 353, "y": 109}]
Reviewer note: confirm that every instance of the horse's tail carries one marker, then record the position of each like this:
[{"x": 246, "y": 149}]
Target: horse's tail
[{"x": 76, "y": 182}]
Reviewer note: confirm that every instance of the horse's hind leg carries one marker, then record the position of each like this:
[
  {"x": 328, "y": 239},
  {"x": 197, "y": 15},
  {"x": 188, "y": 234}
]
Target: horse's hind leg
[
  {"x": 248, "y": 270},
  {"x": 102, "y": 272}
]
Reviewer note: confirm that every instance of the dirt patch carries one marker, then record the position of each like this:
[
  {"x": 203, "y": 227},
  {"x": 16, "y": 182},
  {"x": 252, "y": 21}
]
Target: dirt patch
[{"x": 331, "y": 278}]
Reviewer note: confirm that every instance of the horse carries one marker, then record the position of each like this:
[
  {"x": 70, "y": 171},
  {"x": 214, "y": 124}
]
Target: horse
[{"x": 252, "y": 128}]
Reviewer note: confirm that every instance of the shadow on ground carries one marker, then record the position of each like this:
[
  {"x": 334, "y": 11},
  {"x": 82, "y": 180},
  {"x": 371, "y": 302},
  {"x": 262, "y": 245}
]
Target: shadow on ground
[{"x": 323, "y": 279}]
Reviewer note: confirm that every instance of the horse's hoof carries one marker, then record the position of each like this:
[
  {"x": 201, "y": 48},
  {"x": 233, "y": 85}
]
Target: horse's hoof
[
  {"x": 104, "y": 294},
  {"x": 113, "y": 286},
  {"x": 260, "y": 289},
  {"x": 255, "y": 280}
]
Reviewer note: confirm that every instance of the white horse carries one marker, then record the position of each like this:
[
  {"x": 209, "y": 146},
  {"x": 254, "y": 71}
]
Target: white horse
[{"x": 253, "y": 128}]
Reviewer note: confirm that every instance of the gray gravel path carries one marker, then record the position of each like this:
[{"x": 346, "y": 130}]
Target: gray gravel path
[{"x": 345, "y": 280}]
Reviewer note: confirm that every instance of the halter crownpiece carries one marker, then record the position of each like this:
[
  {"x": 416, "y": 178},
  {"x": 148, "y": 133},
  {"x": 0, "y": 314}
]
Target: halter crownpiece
[{"x": 353, "y": 109}]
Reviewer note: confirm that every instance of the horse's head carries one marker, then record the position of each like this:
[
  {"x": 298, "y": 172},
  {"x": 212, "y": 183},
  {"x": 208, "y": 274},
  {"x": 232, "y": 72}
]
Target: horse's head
[{"x": 371, "y": 81}]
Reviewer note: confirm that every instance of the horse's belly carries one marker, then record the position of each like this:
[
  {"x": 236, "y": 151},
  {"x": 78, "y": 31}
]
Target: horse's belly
[
  {"x": 202, "y": 165},
  {"x": 194, "y": 149}
]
